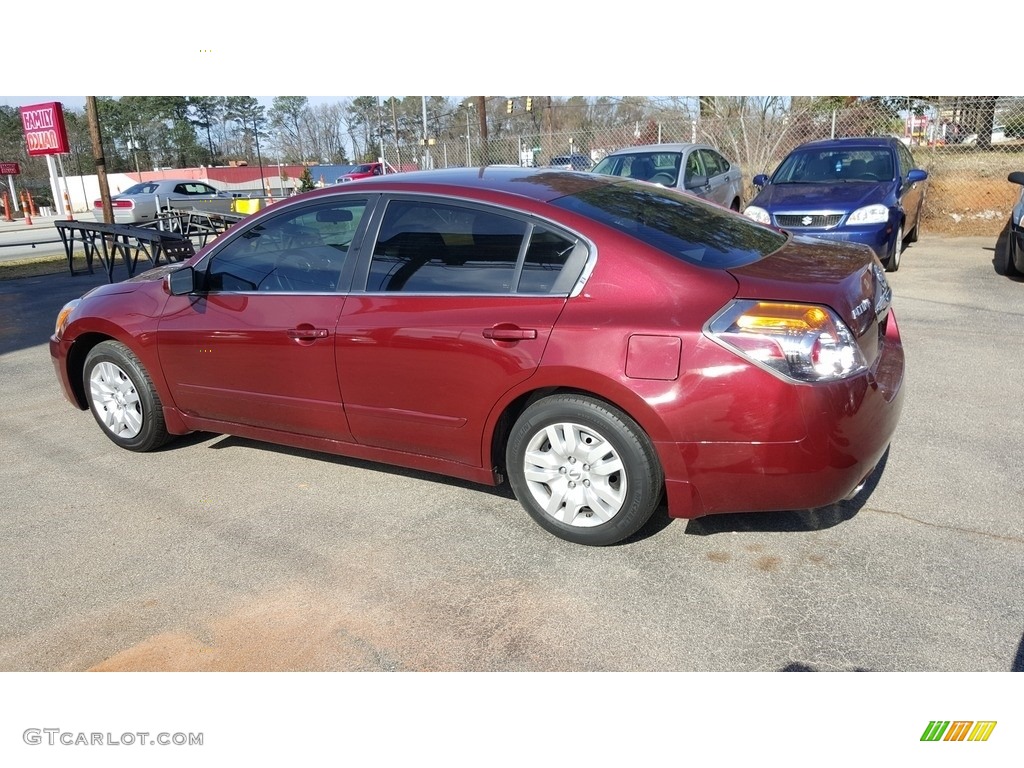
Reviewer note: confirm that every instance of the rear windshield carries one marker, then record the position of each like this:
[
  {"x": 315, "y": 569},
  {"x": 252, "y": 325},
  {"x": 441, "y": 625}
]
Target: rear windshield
[
  {"x": 141, "y": 189},
  {"x": 678, "y": 224}
]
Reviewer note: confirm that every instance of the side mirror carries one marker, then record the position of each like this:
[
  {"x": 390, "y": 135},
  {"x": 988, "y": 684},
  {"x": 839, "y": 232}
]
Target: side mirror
[
  {"x": 916, "y": 174},
  {"x": 695, "y": 182},
  {"x": 181, "y": 282},
  {"x": 1017, "y": 177},
  {"x": 760, "y": 180}
]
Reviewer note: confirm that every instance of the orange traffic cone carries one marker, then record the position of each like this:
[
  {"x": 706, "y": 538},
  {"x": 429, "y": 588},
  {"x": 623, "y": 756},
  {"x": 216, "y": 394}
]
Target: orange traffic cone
[{"x": 27, "y": 207}]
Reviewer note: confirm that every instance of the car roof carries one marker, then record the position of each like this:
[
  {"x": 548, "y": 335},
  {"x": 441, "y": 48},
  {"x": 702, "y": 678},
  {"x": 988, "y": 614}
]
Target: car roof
[
  {"x": 541, "y": 184},
  {"x": 677, "y": 147},
  {"x": 880, "y": 142}
]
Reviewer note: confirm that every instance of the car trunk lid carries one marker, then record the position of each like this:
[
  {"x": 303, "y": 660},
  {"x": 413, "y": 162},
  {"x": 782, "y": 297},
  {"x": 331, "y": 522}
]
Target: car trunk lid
[{"x": 845, "y": 277}]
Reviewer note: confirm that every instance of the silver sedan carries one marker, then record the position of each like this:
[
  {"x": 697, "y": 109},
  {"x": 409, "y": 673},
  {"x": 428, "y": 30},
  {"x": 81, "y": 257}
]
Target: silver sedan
[
  {"x": 698, "y": 169},
  {"x": 142, "y": 202}
]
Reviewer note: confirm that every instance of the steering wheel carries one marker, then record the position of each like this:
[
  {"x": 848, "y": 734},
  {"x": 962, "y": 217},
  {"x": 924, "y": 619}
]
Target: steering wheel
[
  {"x": 665, "y": 179},
  {"x": 291, "y": 273}
]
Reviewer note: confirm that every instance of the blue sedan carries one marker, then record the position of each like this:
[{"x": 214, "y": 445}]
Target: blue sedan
[{"x": 860, "y": 190}]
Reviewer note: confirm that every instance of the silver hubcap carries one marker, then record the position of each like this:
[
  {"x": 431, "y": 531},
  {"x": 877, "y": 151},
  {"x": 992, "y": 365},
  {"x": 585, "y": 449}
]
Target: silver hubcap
[
  {"x": 116, "y": 401},
  {"x": 575, "y": 475},
  {"x": 899, "y": 246}
]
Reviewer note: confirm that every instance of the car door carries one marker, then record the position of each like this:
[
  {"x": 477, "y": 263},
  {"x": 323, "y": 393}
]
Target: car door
[
  {"x": 911, "y": 194},
  {"x": 457, "y": 307},
  {"x": 717, "y": 170},
  {"x": 254, "y": 344},
  {"x": 693, "y": 174}
]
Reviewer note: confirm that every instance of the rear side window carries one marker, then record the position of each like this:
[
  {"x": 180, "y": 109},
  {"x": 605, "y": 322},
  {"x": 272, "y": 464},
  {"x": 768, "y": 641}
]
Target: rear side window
[
  {"x": 714, "y": 164},
  {"x": 435, "y": 247},
  {"x": 678, "y": 224}
]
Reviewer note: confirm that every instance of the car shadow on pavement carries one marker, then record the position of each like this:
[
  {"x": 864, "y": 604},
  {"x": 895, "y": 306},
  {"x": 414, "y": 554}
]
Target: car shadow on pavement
[
  {"x": 230, "y": 441},
  {"x": 29, "y": 306},
  {"x": 757, "y": 522}
]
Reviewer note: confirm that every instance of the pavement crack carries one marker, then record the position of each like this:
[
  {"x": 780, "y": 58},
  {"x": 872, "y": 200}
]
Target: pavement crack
[{"x": 955, "y": 528}]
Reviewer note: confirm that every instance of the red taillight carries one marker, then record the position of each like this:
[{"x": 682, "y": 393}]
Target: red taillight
[{"x": 122, "y": 203}]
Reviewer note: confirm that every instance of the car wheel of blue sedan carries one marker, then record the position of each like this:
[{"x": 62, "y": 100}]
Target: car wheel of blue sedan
[{"x": 893, "y": 262}]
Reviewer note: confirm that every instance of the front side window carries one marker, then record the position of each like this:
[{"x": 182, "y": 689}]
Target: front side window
[
  {"x": 194, "y": 188},
  {"x": 693, "y": 167},
  {"x": 301, "y": 251},
  {"x": 436, "y": 247}
]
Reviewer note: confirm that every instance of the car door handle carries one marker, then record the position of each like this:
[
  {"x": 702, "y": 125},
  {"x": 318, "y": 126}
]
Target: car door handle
[
  {"x": 308, "y": 334},
  {"x": 510, "y": 334}
]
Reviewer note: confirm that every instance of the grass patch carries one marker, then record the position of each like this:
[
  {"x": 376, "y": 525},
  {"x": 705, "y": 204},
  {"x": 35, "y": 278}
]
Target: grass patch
[{"x": 37, "y": 266}]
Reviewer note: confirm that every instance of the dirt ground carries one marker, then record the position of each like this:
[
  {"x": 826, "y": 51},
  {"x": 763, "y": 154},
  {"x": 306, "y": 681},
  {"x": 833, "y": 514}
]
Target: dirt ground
[{"x": 980, "y": 207}]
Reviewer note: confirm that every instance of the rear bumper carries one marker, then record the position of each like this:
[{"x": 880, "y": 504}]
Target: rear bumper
[{"x": 850, "y": 424}]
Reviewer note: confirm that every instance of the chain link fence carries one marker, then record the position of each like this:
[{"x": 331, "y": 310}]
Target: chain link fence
[{"x": 968, "y": 145}]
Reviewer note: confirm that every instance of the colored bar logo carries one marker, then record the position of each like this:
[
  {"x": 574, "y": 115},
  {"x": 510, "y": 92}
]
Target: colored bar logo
[{"x": 958, "y": 730}]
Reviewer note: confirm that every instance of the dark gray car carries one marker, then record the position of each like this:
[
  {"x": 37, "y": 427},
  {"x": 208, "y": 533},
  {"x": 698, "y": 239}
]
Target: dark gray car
[{"x": 699, "y": 169}]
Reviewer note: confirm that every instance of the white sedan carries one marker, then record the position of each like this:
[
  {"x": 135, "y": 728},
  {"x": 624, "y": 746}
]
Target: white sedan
[{"x": 142, "y": 202}]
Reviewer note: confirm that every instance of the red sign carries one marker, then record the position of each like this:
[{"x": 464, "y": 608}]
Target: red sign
[
  {"x": 45, "y": 133},
  {"x": 9, "y": 169}
]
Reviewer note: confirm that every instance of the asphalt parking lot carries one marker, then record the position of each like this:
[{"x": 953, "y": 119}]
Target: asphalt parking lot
[{"x": 220, "y": 553}]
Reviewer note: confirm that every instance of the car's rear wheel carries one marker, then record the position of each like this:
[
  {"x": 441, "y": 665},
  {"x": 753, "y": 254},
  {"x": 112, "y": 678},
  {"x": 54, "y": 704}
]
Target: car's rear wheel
[
  {"x": 893, "y": 262},
  {"x": 122, "y": 398},
  {"x": 583, "y": 469}
]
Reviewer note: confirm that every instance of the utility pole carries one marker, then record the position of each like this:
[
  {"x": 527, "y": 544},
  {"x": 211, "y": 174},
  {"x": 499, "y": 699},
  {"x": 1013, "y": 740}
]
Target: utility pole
[
  {"x": 481, "y": 109},
  {"x": 550, "y": 148},
  {"x": 92, "y": 117}
]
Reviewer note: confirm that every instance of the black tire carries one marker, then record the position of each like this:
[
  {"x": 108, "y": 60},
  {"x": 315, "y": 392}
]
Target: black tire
[
  {"x": 1006, "y": 254},
  {"x": 122, "y": 398},
  {"x": 893, "y": 262},
  {"x": 602, "y": 481}
]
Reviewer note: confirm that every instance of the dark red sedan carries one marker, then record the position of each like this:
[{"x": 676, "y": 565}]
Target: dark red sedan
[{"x": 600, "y": 342}]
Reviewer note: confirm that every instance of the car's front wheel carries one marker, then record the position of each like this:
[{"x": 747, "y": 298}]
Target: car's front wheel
[
  {"x": 122, "y": 398},
  {"x": 583, "y": 469},
  {"x": 893, "y": 262}
]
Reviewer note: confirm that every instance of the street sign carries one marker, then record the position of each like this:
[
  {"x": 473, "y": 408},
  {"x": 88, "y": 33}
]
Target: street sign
[
  {"x": 45, "y": 133},
  {"x": 9, "y": 169}
]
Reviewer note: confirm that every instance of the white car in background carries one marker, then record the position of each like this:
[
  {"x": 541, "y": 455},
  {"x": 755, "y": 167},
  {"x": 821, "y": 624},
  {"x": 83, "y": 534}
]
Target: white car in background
[{"x": 141, "y": 203}]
